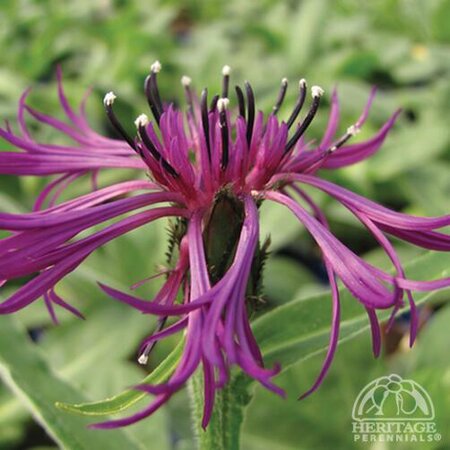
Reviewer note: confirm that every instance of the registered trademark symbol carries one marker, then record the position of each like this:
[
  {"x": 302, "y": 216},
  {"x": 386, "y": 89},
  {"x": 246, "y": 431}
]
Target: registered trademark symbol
[{"x": 437, "y": 437}]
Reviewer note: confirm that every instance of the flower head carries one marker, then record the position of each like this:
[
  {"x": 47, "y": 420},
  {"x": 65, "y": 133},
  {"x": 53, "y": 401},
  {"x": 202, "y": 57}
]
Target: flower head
[{"x": 213, "y": 164}]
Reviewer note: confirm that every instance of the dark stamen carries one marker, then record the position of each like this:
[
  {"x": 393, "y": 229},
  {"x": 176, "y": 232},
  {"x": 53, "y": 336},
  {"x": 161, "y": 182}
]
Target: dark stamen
[
  {"x": 241, "y": 101},
  {"x": 317, "y": 93},
  {"x": 251, "y": 112},
  {"x": 214, "y": 101},
  {"x": 351, "y": 131},
  {"x": 141, "y": 126},
  {"x": 205, "y": 119},
  {"x": 281, "y": 95},
  {"x": 108, "y": 102},
  {"x": 298, "y": 104},
  {"x": 225, "y": 81},
  {"x": 143, "y": 357},
  {"x": 156, "y": 67},
  {"x": 150, "y": 99},
  {"x": 222, "y": 106},
  {"x": 152, "y": 92}
]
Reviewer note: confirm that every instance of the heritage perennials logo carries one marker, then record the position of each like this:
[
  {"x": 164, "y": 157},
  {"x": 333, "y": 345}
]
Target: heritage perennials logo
[{"x": 391, "y": 409}]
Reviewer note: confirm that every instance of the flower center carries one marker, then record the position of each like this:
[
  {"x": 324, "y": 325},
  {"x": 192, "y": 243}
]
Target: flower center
[{"x": 222, "y": 228}]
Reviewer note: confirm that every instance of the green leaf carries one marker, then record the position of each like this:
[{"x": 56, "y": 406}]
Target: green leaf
[
  {"x": 303, "y": 424},
  {"x": 432, "y": 350},
  {"x": 92, "y": 355},
  {"x": 283, "y": 278},
  {"x": 127, "y": 398},
  {"x": 300, "y": 329},
  {"x": 410, "y": 147},
  {"x": 429, "y": 187},
  {"x": 309, "y": 18},
  {"x": 271, "y": 217},
  {"x": 440, "y": 20},
  {"x": 25, "y": 371}
]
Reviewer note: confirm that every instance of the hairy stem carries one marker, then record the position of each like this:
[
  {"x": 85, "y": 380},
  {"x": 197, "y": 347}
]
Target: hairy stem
[{"x": 223, "y": 431}]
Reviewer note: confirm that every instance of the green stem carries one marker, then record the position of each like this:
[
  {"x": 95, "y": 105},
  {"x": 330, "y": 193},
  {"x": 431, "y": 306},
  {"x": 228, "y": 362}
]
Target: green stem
[{"x": 223, "y": 431}]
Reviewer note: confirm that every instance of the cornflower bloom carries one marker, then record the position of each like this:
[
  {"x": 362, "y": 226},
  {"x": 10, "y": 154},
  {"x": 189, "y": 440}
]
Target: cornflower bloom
[{"x": 209, "y": 166}]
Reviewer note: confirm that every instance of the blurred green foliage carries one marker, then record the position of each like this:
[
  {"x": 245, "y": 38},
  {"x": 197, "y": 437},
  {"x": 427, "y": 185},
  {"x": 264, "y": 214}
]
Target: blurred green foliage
[{"x": 403, "y": 46}]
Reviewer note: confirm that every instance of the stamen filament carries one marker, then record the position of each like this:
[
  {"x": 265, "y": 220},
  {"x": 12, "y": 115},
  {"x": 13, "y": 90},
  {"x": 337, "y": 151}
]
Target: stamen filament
[
  {"x": 281, "y": 95},
  {"x": 141, "y": 123},
  {"x": 241, "y": 101},
  {"x": 152, "y": 92},
  {"x": 143, "y": 357},
  {"x": 222, "y": 105},
  {"x": 317, "y": 93},
  {"x": 214, "y": 101},
  {"x": 205, "y": 119},
  {"x": 299, "y": 103},
  {"x": 251, "y": 112},
  {"x": 353, "y": 130},
  {"x": 108, "y": 102},
  {"x": 226, "y": 70}
]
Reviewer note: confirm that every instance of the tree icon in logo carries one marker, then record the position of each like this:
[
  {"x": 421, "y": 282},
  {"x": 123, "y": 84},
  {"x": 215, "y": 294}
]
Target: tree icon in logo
[{"x": 393, "y": 398}]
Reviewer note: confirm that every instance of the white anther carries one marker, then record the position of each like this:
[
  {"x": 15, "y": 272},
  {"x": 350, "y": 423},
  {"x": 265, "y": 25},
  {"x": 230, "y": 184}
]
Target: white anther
[
  {"x": 353, "y": 130},
  {"x": 317, "y": 91},
  {"x": 156, "y": 67},
  {"x": 332, "y": 149},
  {"x": 222, "y": 104},
  {"x": 186, "y": 81},
  {"x": 226, "y": 70},
  {"x": 141, "y": 120},
  {"x": 109, "y": 98},
  {"x": 302, "y": 83},
  {"x": 284, "y": 81},
  {"x": 143, "y": 359}
]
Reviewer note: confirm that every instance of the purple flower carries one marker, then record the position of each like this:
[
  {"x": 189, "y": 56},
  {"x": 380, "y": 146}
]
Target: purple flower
[{"x": 210, "y": 164}]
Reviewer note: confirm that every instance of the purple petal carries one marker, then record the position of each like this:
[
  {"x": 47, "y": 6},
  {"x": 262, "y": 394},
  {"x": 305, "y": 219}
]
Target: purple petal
[
  {"x": 70, "y": 257},
  {"x": 359, "y": 277},
  {"x": 154, "y": 308},
  {"x": 374, "y": 211}
]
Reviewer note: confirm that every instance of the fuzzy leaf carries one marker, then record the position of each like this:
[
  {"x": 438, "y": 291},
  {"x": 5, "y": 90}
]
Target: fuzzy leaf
[
  {"x": 25, "y": 371},
  {"x": 127, "y": 398},
  {"x": 300, "y": 329}
]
